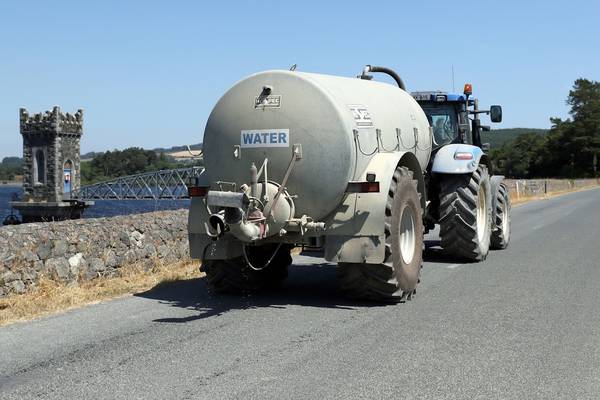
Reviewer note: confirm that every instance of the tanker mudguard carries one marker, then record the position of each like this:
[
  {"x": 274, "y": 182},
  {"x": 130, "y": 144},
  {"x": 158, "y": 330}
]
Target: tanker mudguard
[
  {"x": 355, "y": 232},
  {"x": 454, "y": 159}
]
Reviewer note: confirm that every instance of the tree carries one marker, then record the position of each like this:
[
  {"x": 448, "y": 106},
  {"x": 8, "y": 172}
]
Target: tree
[
  {"x": 112, "y": 164},
  {"x": 569, "y": 149},
  {"x": 575, "y": 141}
]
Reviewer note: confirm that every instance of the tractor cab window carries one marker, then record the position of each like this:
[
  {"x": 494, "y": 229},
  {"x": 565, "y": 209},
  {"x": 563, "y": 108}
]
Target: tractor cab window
[{"x": 443, "y": 120}]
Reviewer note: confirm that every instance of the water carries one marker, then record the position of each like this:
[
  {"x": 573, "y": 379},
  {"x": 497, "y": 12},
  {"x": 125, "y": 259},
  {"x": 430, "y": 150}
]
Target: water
[
  {"x": 6, "y": 193},
  {"x": 101, "y": 208}
]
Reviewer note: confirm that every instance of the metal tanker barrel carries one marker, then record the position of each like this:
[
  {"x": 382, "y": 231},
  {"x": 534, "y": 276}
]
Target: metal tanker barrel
[{"x": 339, "y": 124}]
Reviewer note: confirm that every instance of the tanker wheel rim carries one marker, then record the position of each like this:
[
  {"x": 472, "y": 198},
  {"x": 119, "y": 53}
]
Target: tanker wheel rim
[
  {"x": 505, "y": 224},
  {"x": 408, "y": 235},
  {"x": 482, "y": 215}
]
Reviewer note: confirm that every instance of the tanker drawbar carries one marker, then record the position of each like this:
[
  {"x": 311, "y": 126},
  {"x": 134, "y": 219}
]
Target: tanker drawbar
[{"x": 299, "y": 159}]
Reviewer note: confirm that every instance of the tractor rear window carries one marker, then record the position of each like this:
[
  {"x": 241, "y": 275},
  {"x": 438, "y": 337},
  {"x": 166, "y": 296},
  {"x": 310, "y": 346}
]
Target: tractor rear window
[{"x": 443, "y": 120}]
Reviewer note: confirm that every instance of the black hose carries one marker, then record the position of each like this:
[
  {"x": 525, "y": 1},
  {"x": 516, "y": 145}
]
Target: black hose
[{"x": 391, "y": 73}]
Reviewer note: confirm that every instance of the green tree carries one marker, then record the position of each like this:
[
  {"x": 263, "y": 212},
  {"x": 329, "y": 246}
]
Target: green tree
[
  {"x": 568, "y": 150},
  {"x": 112, "y": 164},
  {"x": 573, "y": 143}
]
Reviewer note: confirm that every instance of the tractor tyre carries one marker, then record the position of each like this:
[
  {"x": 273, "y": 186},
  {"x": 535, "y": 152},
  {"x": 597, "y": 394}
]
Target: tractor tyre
[
  {"x": 501, "y": 235},
  {"x": 395, "y": 279},
  {"x": 466, "y": 215},
  {"x": 236, "y": 275}
]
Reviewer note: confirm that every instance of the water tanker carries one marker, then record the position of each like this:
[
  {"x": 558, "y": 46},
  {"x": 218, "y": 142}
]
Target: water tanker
[{"x": 297, "y": 158}]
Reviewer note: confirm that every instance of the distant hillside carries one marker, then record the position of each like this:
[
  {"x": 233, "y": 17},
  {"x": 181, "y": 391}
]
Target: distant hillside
[
  {"x": 10, "y": 167},
  {"x": 158, "y": 150},
  {"x": 112, "y": 164},
  {"x": 497, "y": 137}
]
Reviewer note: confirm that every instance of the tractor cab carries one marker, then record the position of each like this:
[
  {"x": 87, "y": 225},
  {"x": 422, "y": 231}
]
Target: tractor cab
[{"x": 448, "y": 115}]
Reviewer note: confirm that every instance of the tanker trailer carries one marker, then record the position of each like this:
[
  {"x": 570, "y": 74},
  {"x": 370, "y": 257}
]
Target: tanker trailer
[{"x": 297, "y": 158}]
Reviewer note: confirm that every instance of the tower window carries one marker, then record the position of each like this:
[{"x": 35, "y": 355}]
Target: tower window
[{"x": 39, "y": 167}]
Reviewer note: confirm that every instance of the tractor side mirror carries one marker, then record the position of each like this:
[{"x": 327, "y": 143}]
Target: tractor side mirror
[{"x": 496, "y": 113}]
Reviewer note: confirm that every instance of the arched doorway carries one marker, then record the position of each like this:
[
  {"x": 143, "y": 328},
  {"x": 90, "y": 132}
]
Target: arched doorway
[{"x": 67, "y": 178}]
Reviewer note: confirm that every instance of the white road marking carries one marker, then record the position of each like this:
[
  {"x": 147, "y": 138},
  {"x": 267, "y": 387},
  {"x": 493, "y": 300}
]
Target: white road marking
[{"x": 453, "y": 266}]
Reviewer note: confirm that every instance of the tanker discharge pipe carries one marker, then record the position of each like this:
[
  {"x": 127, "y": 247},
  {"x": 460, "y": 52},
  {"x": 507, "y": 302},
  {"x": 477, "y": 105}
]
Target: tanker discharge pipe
[
  {"x": 384, "y": 70},
  {"x": 245, "y": 231}
]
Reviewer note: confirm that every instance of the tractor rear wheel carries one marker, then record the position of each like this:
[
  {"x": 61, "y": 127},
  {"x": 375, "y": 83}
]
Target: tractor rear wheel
[
  {"x": 396, "y": 278},
  {"x": 237, "y": 276},
  {"x": 465, "y": 214},
  {"x": 501, "y": 235}
]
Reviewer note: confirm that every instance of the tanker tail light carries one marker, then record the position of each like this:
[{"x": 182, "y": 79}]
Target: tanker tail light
[
  {"x": 197, "y": 191},
  {"x": 362, "y": 187}
]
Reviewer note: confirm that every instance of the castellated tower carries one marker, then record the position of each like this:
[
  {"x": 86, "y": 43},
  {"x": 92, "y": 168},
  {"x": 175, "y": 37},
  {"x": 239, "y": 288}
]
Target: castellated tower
[
  {"x": 52, "y": 165},
  {"x": 51, "y": 154}
]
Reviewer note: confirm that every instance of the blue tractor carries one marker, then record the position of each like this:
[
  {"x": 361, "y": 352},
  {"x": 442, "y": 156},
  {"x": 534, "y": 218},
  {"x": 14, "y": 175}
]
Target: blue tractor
[{"x": 471, "y": 205}]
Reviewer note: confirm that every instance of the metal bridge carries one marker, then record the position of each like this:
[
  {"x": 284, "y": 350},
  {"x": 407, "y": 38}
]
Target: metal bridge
[{"x": 160, "y": 185}]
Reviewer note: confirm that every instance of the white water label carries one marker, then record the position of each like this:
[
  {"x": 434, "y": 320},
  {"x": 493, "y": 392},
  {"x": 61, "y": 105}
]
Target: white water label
[{"x": 265, "y": 138}]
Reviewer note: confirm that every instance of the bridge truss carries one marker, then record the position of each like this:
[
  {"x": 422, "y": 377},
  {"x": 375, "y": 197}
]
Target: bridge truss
[{"x": 159, "y": 185}]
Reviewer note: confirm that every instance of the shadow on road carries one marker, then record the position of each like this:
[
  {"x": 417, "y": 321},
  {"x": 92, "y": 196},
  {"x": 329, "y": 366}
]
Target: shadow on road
[
  {"x": 433, "y": 253},
  {"x": 313, "y": 285}
]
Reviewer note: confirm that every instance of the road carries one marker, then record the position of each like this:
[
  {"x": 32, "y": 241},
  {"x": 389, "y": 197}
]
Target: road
[{"x": 524, "y": 324}]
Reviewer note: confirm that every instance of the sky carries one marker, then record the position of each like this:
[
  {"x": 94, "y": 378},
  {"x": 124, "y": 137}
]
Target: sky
[{"x": 147, "y": 73}]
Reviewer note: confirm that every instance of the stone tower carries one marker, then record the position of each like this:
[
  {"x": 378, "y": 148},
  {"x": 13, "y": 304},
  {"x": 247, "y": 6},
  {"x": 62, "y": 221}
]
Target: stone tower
[{"x": 51, "y": 168}]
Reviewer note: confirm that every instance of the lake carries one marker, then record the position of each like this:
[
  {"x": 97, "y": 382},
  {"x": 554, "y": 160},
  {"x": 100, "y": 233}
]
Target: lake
[{"x": 101, "y": 208}]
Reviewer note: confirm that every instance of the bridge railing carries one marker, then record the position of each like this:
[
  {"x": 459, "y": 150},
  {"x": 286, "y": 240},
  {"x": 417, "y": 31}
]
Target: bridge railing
[{"x": 165, "y": 184}]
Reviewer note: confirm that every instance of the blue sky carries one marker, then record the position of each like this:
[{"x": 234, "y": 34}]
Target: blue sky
[{"x": 148, "y": 73}]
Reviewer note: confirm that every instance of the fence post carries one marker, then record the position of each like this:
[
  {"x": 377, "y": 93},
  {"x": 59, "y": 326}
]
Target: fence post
[{"x": 518, "y": 194}]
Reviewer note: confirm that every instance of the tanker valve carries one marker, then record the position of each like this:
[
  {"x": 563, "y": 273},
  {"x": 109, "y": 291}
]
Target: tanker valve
[{"x": 305, "y": 224}]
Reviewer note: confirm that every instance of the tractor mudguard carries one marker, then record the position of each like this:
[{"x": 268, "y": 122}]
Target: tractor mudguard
[{"x": 453, "y": 159}]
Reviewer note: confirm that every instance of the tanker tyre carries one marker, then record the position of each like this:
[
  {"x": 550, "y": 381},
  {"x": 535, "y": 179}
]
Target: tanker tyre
[
  {"x": 466, "y": 215},
  {"x": 395, "y": 279},
  {"x": 236, "y": 276},
  {"x": 501, "y": 236}
]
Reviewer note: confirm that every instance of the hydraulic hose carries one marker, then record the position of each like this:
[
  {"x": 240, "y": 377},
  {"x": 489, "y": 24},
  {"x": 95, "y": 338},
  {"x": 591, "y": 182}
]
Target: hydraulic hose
[{"x": 388, "y": 71}]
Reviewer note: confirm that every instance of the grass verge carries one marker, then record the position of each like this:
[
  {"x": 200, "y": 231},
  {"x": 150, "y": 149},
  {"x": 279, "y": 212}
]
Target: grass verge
[
  {"x": 526, "y": 199},
  {"x": 50, "y": 296}
]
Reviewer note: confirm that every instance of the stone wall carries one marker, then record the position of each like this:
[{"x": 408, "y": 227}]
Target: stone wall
[{"x": 85, "y": 249}]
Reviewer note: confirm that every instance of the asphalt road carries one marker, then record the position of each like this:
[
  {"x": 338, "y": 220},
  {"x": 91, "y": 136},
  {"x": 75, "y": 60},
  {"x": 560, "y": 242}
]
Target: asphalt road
[{"x": 524, "y": 324}]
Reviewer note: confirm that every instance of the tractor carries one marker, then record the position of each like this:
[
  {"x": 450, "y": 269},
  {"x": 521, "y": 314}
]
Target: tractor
[{"x": 471, "y": 205}]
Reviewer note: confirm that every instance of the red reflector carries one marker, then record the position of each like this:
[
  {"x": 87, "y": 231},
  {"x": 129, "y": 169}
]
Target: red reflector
[
  {"x": 463, "y": 156},
  {"x": 197, "y": 191},
  {"x": 363, "y": 187}
]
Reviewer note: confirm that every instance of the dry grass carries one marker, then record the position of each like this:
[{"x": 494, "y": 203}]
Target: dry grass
[
  {"x": 526, "y": 199},
  {"x": 50, "y": 296}
]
